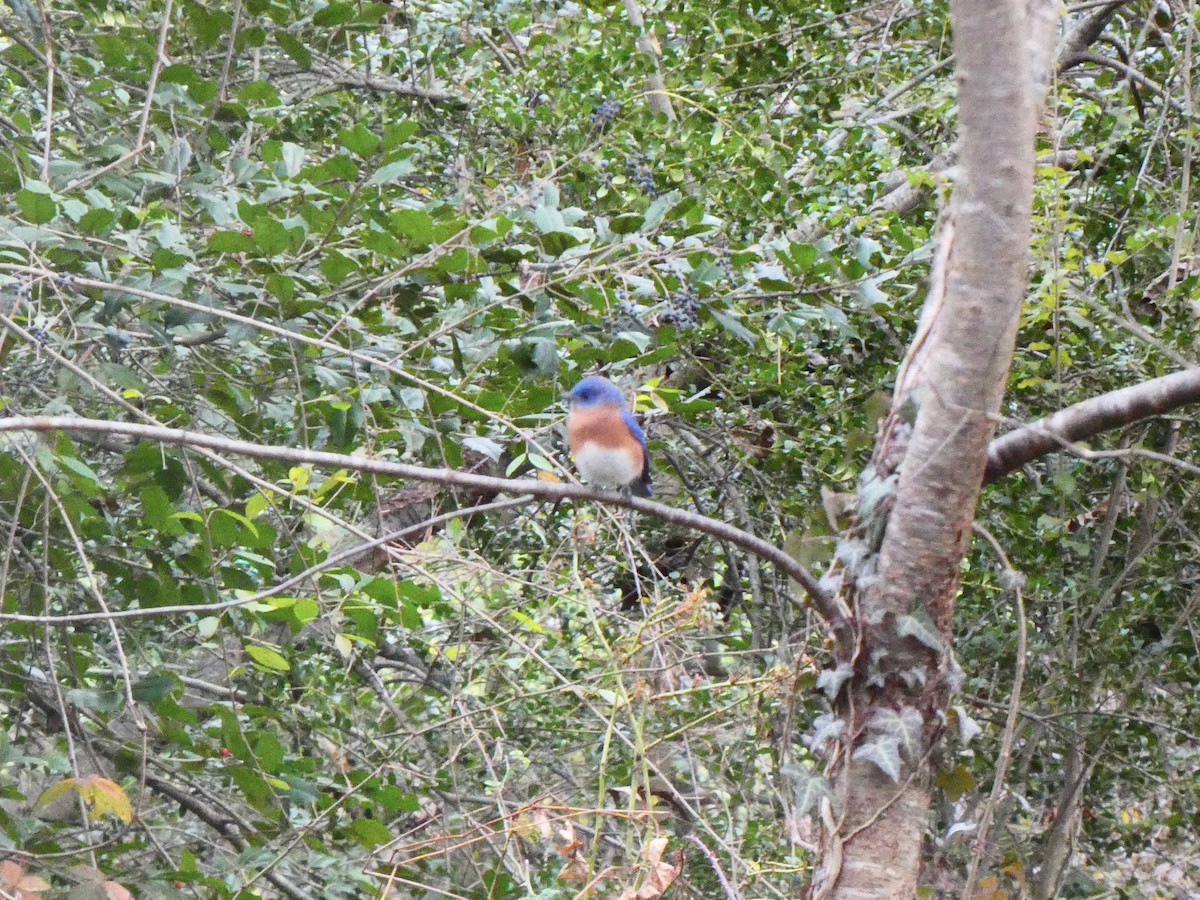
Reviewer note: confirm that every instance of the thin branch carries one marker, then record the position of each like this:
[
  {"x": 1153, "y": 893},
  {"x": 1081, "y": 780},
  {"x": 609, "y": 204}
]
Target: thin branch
[
  {"x": 350, "y": 80},
  {"x": 1089, "y": 418},
  {"x": 160, "y": 54},
  {"x": 1015, "y": 581},
  {"x": 836, "y": 615}
]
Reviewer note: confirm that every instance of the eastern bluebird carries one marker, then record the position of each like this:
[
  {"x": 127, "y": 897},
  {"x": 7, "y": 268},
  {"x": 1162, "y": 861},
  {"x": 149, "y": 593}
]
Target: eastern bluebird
[{"x": 606, "y": 441}]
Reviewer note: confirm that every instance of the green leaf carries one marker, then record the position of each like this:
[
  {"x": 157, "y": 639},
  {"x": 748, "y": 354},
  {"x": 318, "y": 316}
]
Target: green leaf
[
  {"x": 96, "y": 221},
  {"x": 269, "y": 752},
  {"x": 261, "y": 92},
  {"x": 81, "y": 470},
  {"x": 734, "y": 327},
  {"x": 626, "y": 224},
  {"x": 154, "y": 687},
  {"x": 270, "y": 236},
  {"x": 177, "y": 158},
  {"x": 267, "y": 658},
  {"x": 252, "y": 785},
  {"x": 414, "y": 224},
  {"x": 231, "y": 242},
  {"x": 333, "y": 15},
  {"x": 159, "y": 512},
  {"x": 393, "y": 171},
  {"x": 336, "y": 266},
  {"x": 207, "y": 626},
  {"x": 231, "y": 734},
  {"x": 359, "y": 139},
  {"x": 294, "y": 48},
  {"x": 37, "y": 207},
  {"x": 305, "y": 610},
  {"x": 370, "y": 832}
]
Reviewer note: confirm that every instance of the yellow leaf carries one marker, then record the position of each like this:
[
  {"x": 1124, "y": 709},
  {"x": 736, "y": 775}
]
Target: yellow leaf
[
  {"x": 102, "y": 795},
  {"x": 106, "y": 796}
]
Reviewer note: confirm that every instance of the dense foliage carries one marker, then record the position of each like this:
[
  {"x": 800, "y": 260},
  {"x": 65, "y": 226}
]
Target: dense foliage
[{"x": 402, "y": 232}]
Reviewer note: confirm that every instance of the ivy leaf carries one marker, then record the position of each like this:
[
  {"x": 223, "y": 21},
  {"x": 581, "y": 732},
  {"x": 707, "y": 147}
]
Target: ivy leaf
[
  {"x": 920, "y": 628},
  {"x": 809, "y": 787},
  {"x": 968, "y": 728},
  {"x": 830, "y": 681},
  {"x": 827, "y": 727},
  {"x": 884, "y": 751},
  {"x": 955, "y": 782},
  {"x": 906, "y": 726}
]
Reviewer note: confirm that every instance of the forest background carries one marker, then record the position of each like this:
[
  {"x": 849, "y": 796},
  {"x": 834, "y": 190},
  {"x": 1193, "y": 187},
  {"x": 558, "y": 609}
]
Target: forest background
[{"x": 397, "y": 233}]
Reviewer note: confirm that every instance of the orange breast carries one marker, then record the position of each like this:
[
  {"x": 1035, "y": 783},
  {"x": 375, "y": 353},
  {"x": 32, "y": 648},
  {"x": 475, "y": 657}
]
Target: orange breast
[{"x": 600, "y": 425}]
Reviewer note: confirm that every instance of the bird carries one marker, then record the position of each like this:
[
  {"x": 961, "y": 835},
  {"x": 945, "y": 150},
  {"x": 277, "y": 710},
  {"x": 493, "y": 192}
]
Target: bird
[{"x": 608, "y": 445}]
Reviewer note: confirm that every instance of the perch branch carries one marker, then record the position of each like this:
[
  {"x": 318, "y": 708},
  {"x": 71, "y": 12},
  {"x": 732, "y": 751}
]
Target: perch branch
[{"x": 836, "y": 616}]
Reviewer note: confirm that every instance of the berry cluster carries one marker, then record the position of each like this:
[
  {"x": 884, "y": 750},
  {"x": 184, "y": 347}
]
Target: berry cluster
[
  {"x": 65, "y": 280},
  {"x": 683, "y": 309},
  {"x": 641, "y": 174},
  {"x": 605, "y": 112},
  {"x": 625, "y": 311}
]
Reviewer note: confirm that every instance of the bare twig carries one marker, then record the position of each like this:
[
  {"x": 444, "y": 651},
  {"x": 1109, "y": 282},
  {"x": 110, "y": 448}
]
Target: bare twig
[{"x": 730, "y": 891}]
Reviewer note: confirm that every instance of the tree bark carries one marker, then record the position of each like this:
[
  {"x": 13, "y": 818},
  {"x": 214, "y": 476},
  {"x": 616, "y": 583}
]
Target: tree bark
[
  {"x": 901, "y": 561},
  {"x": 656, "y": 92}
]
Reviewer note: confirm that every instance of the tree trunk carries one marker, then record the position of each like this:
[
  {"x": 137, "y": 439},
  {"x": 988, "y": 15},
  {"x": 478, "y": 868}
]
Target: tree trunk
[{"x": 901, "y": 562}]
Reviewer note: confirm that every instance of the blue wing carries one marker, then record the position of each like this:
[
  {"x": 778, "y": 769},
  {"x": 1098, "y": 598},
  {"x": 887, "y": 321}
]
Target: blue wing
[{"x": 636, "y": 430}]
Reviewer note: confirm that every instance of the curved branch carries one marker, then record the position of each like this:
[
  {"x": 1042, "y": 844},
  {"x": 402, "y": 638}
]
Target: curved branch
[
  {"x": 1075, "y": 44},
  {"x": 837, "y": 617},
  {"x": 1134, "y": 75},
  {"x": 1089, "y": 418}
]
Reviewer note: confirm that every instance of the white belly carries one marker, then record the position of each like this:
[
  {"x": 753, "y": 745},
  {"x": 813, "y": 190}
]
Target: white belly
[{"x": 606, "y": 467}]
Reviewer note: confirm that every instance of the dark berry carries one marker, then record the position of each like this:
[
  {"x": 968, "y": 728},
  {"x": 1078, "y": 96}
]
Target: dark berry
[{"x": 605, "y": 112}]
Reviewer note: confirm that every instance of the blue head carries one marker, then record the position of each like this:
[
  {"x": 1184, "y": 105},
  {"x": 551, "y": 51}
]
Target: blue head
[{"x": 595, "y": 391}]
